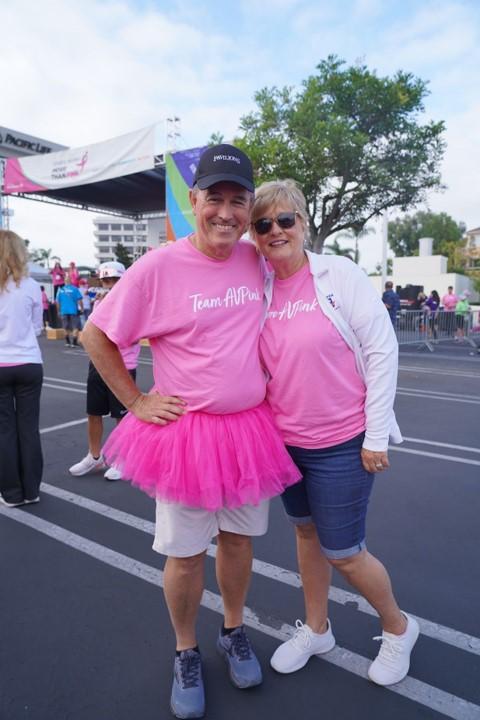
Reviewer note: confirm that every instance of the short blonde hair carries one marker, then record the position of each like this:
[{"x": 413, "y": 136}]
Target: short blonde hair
[
  {"x": 277, "y": 192},
  {"x": 13, "y": 258}
]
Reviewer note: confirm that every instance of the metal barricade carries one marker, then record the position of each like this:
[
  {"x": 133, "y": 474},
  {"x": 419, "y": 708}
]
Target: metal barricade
[
  {"x": 413, "y": 328},
  {"x": 422, "y": 327},
  {"x": 472, "y": 331}
]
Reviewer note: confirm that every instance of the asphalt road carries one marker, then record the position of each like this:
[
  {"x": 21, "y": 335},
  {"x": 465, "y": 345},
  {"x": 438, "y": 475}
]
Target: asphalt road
[{"x": 85, "y": 634}]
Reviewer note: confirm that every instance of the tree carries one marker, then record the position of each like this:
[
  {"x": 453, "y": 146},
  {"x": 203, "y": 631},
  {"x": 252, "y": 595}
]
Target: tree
[
  {"x": 41, "y": 255},
  {"x": 351, "y": 140},
  {"x": 122, "y": 255},
  {"x": 336, "y": 249},
  {"x": 404, "y": 234},
  {"x": 356, "y": 232},
  {"x": 216, "y": 138}
]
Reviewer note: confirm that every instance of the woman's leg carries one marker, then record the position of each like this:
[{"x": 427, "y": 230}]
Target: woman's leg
[
  {"x": 316, "y": 574},
  {"x": 10, "y": 484},
  {"x": 367, "y": 575},
  {"x": 27, "y": 402}
]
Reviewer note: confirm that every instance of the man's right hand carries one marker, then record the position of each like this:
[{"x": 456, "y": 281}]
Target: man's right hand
[{"x": 158, "y": 409}]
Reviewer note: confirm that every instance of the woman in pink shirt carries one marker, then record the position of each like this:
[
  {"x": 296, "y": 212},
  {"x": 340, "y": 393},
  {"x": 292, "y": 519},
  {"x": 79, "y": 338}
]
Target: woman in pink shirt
[
  {"x": 58, "y": 278},
  {"x": 331, "y": 357},
  {"x": 74, "y": 274}
]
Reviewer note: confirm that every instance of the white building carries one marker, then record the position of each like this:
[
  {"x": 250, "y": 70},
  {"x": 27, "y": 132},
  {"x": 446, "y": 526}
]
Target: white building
[
  {"x": 135, "y": 235},
  {"x": 427, "y": 270}
]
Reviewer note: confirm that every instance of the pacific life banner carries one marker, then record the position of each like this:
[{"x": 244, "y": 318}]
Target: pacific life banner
[
  {"x": 113, "y": 158},
  {"x": 180, "y": 169}
]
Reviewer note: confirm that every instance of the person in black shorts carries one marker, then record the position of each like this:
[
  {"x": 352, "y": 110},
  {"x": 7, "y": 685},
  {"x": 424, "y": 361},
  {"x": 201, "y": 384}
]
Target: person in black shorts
[{"x": 100, "y": 399}]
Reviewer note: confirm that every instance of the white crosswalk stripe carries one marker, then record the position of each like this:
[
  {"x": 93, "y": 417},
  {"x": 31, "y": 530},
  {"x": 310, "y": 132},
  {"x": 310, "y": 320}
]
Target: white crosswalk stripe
[{"x": 436, "y": 699}]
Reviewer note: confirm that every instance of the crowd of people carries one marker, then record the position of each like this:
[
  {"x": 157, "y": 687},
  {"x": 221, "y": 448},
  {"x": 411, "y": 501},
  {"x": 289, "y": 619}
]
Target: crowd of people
[
  {"x": 450, "y": 314},
  {"x": 274, "y": 374}
]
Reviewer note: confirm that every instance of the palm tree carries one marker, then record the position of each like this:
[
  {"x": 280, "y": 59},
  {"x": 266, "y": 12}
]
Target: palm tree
[
  {"x": 356, "y": 232},
  {"x": 335, "y": 249},
  {"x": 41, "y": 255},
  {"x": 45, "y": 255}
]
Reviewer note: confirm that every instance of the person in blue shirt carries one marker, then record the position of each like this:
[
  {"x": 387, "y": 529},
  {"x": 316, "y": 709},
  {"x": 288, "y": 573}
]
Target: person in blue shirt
[
  {"x": 391, "y": 300},
  {"x": 70, "y": 305}
]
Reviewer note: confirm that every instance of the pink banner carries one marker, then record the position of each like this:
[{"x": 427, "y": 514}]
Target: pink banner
[{"x": 16, "y": 181}]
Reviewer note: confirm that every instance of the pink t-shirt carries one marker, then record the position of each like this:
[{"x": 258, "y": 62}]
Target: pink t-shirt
[
  {"x": 129, "y": 353},
  {"x": 74, "y": 276},
  {"x": 449, "y": 302},
  {"x": 202, "y": 317},
  {"x": 315, "y": 391}
]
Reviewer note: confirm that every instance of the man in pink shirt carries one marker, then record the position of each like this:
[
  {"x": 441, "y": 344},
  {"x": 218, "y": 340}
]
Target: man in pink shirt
[
  {"x": 192, "y": 442},
  {"x": 449, "y": 302}
]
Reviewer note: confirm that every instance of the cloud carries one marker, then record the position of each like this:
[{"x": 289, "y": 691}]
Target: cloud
[{"x": 84, "y": 72}]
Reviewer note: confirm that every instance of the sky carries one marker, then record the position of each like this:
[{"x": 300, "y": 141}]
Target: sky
[{"x": 78, "y": 73}]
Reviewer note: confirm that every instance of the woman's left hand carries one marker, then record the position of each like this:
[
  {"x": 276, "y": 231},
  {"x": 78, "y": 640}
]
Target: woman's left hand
[{"x": 373, "y": 461}]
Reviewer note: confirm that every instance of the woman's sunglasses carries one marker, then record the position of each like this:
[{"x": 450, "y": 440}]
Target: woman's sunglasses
[{"x": 284, "y": 220}]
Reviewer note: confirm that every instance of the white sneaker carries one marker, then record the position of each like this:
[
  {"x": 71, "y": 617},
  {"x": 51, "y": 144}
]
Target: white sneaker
[
  {"x": 296, "y": 652},
  {"x": 113, "y": 473},
  {"x": 10, "y": 504},
  {"x": 87, "y": 465},
  {"x": 393, "y": 661}
]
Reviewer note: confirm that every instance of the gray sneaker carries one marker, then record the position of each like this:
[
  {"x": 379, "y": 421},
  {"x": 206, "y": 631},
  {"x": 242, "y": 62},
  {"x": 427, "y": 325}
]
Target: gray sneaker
[
  {"x": 188, "y": 695},
  {"x": 243, "y": 666}
]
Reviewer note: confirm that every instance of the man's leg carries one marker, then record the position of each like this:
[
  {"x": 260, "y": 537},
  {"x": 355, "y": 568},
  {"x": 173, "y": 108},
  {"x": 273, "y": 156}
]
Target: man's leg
[
  {"x": 67, "y": 327},
  {"x": 234, "y": 568},
  {"x": 182, "y": 534},
  {"x": 183, "y": 588},
  {"x": 77, "y": 326},
  {"x": 95, "y": 432}
]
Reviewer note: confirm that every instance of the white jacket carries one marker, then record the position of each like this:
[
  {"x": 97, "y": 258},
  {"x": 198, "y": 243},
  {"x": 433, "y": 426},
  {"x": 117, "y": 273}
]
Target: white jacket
[
  {"x": 20, "y": 322},
  {"x": 349, "y": 300}
]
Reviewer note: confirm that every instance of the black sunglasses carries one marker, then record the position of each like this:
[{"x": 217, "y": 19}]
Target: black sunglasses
[{"x": 284, "y": 220}]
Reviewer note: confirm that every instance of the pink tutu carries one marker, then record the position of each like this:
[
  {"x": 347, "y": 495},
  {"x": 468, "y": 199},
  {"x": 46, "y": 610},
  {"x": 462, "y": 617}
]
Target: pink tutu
[{"x": 204, "y": 460}]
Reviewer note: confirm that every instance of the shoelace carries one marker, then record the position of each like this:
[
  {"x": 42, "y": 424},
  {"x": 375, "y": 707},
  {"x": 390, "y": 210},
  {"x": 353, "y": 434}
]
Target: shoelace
[
  {"x": 241, "y": 645},
  {"x": 302, "y": 638},
  {"x": 389, "y": 650},
  {"x": 190, "y": 669}
]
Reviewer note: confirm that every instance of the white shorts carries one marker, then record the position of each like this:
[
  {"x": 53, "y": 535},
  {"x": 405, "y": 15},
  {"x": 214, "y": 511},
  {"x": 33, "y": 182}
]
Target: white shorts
[{"x": 182, "y": 531}]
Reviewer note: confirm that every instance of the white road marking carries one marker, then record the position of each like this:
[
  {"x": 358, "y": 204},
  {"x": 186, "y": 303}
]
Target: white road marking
[
  {"x": 448, "y": 704},
  {"x": 62, "y": 380},
  {"x": 439, "y": 444},
  {"x": 438, "y": 397},
  {"x": 287, "y": 577},
  {"x": 439, "y": 392},
  {"x": 52, "y": 428},
  {"x": 438, "y": 371},
  {"x": 437, "y": 456},
  {"x": 62, "y": 387}
]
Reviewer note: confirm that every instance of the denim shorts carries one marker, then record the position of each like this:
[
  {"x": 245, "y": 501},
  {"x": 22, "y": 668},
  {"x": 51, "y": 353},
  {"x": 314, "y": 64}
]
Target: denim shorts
[{"x": 333, "y": 494}]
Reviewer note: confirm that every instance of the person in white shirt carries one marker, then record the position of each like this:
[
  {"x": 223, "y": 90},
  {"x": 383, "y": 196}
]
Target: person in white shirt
[{"x": 21, "y": 375}]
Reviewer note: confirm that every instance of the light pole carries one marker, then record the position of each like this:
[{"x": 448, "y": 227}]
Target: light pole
[{"x": 384, "y": 247}]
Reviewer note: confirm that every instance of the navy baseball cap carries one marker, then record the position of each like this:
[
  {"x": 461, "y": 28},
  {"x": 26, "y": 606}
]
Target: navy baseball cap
[{"x": 224, "y": 163}]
